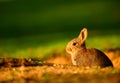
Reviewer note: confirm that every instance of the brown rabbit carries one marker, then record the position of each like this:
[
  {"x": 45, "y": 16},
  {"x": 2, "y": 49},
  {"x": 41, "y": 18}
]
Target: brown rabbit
[{"x": 82, "y": 56}]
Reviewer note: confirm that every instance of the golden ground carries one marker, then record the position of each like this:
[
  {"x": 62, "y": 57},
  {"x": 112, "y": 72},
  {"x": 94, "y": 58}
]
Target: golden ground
[{"x": 63, "y": 72}]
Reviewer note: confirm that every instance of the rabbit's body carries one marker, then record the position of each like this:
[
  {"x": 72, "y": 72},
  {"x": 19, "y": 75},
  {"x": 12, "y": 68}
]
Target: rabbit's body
[
  {"x": 90, "y": 57},
  {"x": 82, "y": 56}
]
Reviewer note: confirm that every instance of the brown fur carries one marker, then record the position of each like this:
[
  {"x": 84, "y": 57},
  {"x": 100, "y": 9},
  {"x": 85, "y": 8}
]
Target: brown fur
[{"x": 82, "y": 56}]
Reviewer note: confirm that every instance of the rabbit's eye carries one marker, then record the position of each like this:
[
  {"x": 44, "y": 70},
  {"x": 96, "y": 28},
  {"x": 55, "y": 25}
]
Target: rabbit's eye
[{"x": 74, "y": 44}]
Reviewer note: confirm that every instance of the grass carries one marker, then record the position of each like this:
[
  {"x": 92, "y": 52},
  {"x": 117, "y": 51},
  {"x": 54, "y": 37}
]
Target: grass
[
  {"x": 47, "y": 45},
  {"x": 104, "y": 42}
]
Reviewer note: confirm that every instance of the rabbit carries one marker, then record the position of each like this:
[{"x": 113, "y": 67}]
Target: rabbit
[{"x": 82, "y": 56}]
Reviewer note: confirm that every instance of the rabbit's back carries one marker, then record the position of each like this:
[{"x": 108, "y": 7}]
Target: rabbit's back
[{"x": 92, "y": 57}]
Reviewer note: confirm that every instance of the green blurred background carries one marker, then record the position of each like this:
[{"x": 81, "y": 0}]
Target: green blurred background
[{"x": 33, "y": 28}]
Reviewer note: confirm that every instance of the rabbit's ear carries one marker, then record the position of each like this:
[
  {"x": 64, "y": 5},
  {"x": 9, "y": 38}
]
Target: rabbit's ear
[{"x": 83, "y": 35}]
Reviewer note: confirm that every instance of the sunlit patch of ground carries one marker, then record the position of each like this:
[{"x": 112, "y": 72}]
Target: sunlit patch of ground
[
  {"x": 59, "y": 74},
  {"x": 62, "y": 71},
  {"x": 114, "y": 56}
]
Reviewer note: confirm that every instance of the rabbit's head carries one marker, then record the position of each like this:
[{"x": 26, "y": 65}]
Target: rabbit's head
[{"x": 77, "y": 43}]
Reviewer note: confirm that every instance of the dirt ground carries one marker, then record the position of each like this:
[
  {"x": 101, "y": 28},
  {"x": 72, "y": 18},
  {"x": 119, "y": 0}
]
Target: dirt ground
[{"x": 58, "y": 69}]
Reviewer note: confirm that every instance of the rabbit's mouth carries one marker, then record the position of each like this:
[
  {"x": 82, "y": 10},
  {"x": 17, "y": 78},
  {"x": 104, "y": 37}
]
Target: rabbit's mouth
[{"x": 69, "y": 50}]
